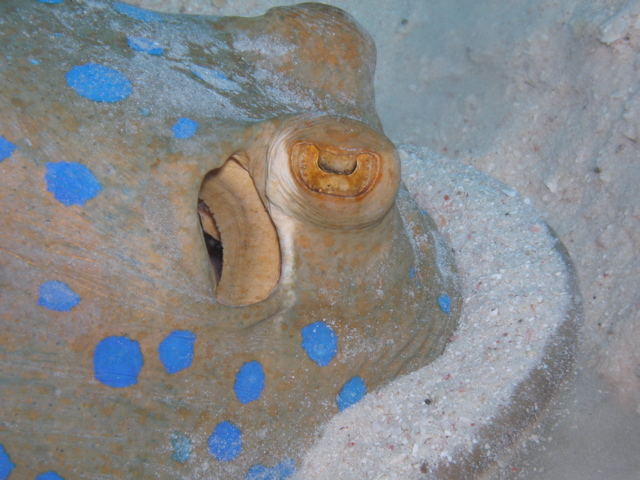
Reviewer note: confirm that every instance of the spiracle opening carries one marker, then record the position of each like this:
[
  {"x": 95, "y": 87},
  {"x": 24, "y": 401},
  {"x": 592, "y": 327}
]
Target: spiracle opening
[{"x": 239, "y": 235}]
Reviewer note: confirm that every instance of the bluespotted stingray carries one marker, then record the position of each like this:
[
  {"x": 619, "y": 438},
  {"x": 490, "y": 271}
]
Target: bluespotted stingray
[{"x": 206, "y": 248}]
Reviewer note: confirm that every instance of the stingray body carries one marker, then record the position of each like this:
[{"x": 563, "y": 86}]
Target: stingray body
[{"x": 206, "y": 250}]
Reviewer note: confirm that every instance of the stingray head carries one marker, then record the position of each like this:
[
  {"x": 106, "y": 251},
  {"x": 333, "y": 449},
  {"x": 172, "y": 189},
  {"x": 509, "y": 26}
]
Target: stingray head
[{"x": 324, "y": 174}]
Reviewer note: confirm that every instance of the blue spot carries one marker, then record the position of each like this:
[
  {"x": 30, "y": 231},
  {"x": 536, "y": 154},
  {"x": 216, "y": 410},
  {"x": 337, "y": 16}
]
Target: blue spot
[
  {"x": 283, "y": 470},
  {"x": 249, "y": 382},
  {"x": 57, "y": 296},
  {"x": 71, "y": 183},
  {"x": 6, "y": 465},
  {"x": 184, "y": 128},
  {"x": 51, "y": 2},
  {"x": 98, "y": 83},
  {"x": 351, "y": 393},
  {"x": 320, "y": 342},
  {"x": 259, "y": 472},
  {"x": 444, "y": 302},
  {"x": 6, "y": 148},
  {"x": 137, "y": 13},
  {"x": 34, "y": 61},
  {"x": 412, "y": 273},
  {"x": 176, "y": 350},
  {"x": 225, "y": 443},
  {"x": 286, "y": 468},
  {"x": 49, "y": 476},
  {"x": 424, "y": 212},
  {"x": 117, "y": 361},
  {"x": 181, "y": 446},
  {"x": 146, "y": 45}
]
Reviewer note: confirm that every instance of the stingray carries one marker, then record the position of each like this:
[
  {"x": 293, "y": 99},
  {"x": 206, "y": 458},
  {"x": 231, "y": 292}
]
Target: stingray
[{"x": 206, "y": 248}]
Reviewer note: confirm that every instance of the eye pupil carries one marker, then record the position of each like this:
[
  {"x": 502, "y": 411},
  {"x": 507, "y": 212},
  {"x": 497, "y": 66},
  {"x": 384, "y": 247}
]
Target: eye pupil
[{"x": 336, "y": 163}]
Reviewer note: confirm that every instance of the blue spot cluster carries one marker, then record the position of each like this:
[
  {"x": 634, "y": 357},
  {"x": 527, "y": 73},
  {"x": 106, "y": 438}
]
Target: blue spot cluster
[
  {"x": 444, "y": 302},
  {"x": 49, "y": 476},
  {"x": 117, "y": 361},
  {"x": 6, "y": 465},
  {"x": 57, "y": 296},
  {"x": 145, "y": 45},
  {"x": 176, "y": 350},
  {"x": 6, "y": 148},
  {"x": 225, "y": 443},
  {"x": 283, "y": 470},
  {"x": 99, "y": 83},
  {"x": 320, "y": 343},
  {"x": 71, "y": 183},
  {"x": 249, "y": 382},
  {"x": 184, "y": 128},
  {"x": 351, "y": 393},
  {"x": 136, "y": 13}
]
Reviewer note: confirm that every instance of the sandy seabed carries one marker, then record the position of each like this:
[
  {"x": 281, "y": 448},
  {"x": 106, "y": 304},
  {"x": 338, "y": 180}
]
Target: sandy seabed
[{"x": 545, "y": 96}]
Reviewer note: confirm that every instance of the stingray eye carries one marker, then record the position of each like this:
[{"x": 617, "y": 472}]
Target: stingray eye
[{"x": 332, "y": 171}]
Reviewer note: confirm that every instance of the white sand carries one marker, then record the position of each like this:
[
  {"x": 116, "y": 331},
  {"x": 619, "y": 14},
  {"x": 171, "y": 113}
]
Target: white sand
[{"x": 543, "y": 95}]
